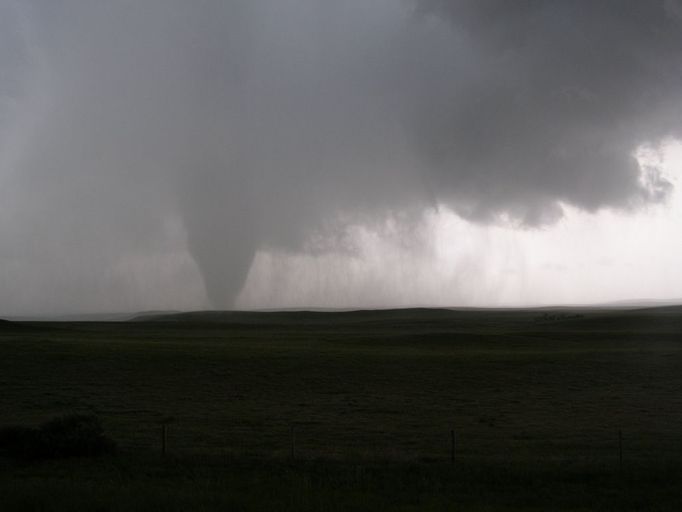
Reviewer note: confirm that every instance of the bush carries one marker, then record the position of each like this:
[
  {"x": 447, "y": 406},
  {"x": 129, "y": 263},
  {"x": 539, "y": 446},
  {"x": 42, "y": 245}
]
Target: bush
[
  {"x": 18, "y": 442},
  {"x": 76, "y": 435}
]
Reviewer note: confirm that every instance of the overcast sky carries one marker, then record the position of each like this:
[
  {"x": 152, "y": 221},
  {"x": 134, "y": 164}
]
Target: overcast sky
[{"x": 160, "y": 154}]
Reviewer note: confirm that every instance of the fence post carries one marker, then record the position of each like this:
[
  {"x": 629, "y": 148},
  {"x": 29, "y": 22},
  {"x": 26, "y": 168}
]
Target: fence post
[
  {"x": 293, "y": 441},
  {"x": 620, "y": 450},
  {"x": 452, "y": 446},
  {"x": 164, "y": 433},
  {"x": 163, "y": 439}
]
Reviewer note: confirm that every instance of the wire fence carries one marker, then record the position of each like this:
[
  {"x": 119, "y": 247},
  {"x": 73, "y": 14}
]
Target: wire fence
[{"x": 616, "y": 447}]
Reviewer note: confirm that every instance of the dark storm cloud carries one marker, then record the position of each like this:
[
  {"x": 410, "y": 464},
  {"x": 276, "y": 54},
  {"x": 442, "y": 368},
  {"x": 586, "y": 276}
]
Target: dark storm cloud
[
  {"x": 561, "y": 95},
  {"x": 260, "y": 123}
]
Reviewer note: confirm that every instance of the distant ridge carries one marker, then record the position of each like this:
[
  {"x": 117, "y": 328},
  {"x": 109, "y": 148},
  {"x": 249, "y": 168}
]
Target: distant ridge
[
  {"x": 670, "y": 310},
  {"x": 591, "y": 318},
  {"x": 644, "y": 303},
  {"x": 296, "y": 315},
  {"x": 314, "y": 314},
  {"x": 94, "y": 317}
]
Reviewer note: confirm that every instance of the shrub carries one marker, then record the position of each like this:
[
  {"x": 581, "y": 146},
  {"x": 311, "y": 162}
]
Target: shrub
[
  {"x": 18, "y": 442},
  {"x": 76, "y": 435}
]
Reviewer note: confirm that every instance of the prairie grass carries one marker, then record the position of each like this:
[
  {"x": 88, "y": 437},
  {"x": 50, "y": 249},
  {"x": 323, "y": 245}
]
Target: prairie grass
[{"x": 536, "y": 402}]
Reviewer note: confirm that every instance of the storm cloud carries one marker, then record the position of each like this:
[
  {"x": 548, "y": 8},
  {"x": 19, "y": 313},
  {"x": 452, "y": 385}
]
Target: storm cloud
[{"x": 239, "y": 125}]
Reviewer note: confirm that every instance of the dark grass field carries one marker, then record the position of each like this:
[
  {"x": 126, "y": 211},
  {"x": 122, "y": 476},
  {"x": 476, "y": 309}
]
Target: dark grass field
[{"x": 366, "y": 400}]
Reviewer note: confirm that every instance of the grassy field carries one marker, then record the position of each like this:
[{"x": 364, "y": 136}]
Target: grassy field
[{"x": 536, "y": 399}]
